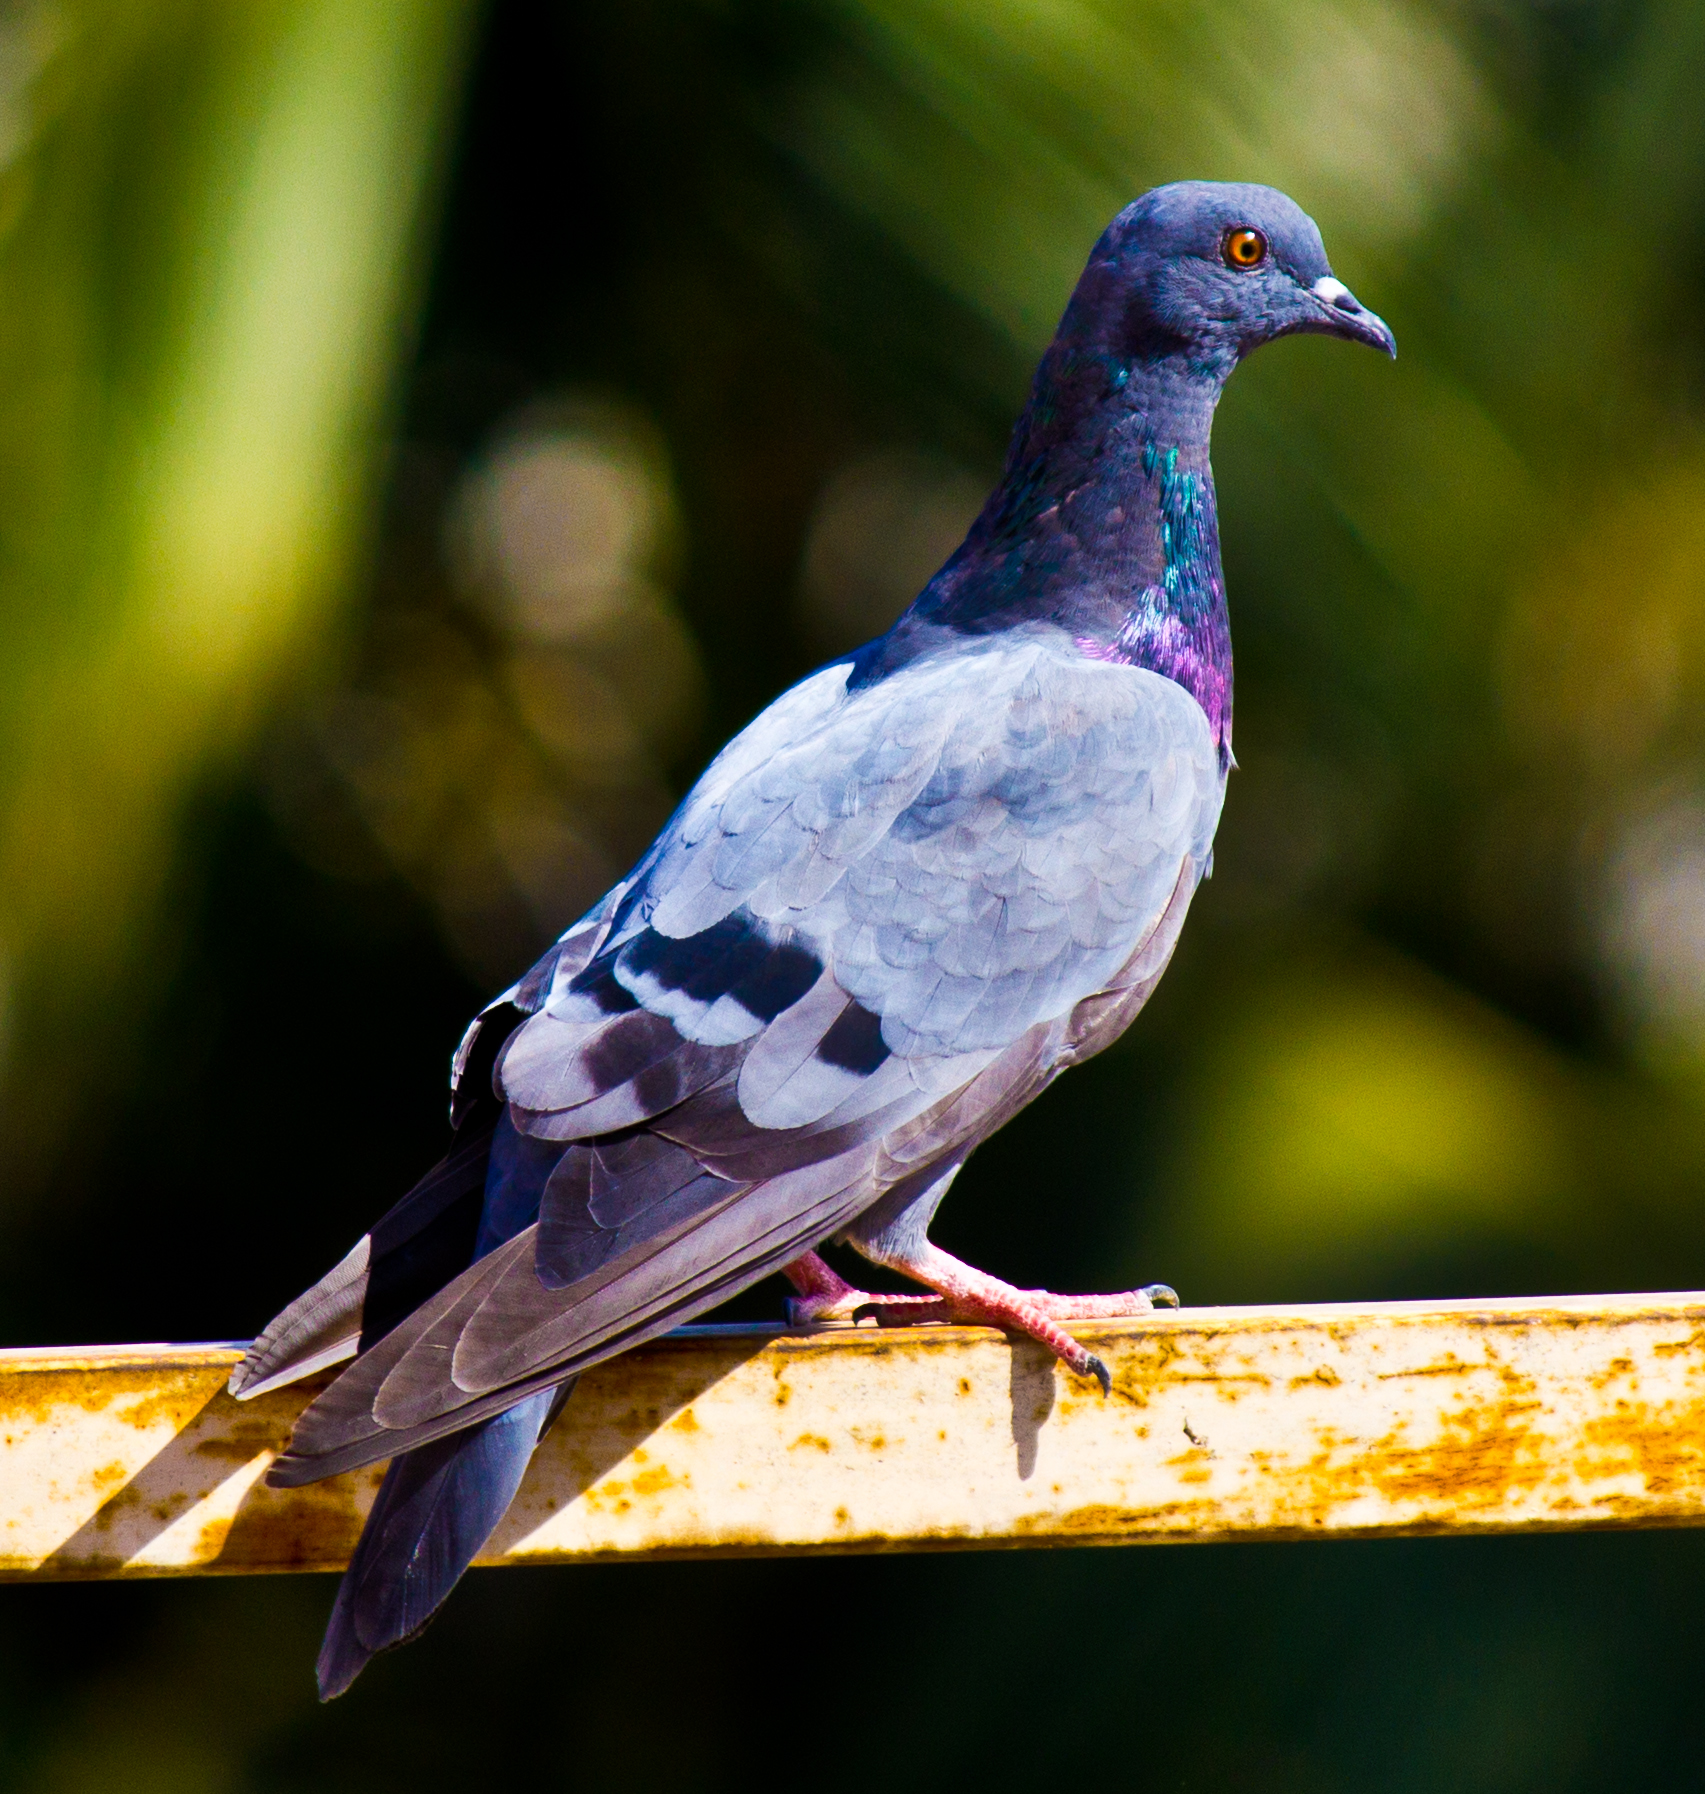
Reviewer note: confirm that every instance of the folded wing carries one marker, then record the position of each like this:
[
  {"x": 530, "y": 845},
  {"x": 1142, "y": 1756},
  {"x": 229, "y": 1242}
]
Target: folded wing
[{"x": 877, "y": 902}]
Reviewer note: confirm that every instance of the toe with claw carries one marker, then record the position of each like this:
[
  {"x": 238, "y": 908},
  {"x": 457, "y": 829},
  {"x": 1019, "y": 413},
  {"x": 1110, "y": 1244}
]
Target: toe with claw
[{"x": 961, "y": 1293}]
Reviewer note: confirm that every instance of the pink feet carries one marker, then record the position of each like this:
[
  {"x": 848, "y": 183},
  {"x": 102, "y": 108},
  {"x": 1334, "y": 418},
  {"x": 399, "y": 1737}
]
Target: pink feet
[{"x": 963, "y": 1293}]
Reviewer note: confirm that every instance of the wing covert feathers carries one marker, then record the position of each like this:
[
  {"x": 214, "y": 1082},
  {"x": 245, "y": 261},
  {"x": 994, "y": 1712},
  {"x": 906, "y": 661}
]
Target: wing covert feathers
[
  {"x": 921, "y": 870},
  {"x": 884, "y": 919}
]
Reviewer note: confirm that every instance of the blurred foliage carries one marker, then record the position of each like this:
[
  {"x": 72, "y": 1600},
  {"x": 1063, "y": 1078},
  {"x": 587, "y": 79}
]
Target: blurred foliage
[
  {"x": 380, "y": 553},
  {"x": 208, "y": 222},
  {"x": 501, "y": 746}
]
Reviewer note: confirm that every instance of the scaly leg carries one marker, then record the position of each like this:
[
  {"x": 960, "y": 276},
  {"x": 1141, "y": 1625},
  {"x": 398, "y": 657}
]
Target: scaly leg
[
  {"x": 963, "y": 1293},
  {"x": 826, "y": 1299}
]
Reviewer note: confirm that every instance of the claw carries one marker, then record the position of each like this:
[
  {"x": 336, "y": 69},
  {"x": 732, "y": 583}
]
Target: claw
[
  {"x": 1162, "y": 1295},
  {"x": 1101, "y": 1374}
]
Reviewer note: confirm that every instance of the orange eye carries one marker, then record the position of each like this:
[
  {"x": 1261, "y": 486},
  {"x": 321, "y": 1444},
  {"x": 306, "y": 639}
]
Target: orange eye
[{"x": 1244, "y": 248}]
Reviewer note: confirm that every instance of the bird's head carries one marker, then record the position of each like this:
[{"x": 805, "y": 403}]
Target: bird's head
[{"x": 1202, "y": 272}]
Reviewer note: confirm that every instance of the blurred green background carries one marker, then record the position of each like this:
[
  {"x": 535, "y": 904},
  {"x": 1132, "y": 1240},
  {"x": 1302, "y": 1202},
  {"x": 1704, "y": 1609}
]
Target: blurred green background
[{"x": 427, "y": 430}]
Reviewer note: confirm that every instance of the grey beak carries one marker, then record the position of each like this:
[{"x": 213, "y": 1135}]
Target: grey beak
[{"x": 1343, "y": 314}]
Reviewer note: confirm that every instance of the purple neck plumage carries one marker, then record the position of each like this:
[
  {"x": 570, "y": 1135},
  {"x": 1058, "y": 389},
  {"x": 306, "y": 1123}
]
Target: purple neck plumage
[
  {"x": 1104, "y": 521},
  {"x": 1178, "y": 624}
]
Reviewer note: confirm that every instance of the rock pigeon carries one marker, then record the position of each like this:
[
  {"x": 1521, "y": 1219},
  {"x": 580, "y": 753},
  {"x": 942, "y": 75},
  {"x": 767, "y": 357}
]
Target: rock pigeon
[{"x": 898, "y": 905}]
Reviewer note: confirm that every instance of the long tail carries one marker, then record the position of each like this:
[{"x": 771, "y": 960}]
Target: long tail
[{"x": 436, "y": 1507}]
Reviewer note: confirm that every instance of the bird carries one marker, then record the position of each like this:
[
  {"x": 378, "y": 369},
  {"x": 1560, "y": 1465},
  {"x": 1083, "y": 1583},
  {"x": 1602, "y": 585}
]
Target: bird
[{"x": 929, "y": 878}]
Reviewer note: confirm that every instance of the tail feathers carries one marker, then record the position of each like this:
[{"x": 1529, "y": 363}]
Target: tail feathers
[
  {"x": 436, "y": 1507},
  {"x": 413, "y": 1250},
  {"x": 321, "y": 1327}
]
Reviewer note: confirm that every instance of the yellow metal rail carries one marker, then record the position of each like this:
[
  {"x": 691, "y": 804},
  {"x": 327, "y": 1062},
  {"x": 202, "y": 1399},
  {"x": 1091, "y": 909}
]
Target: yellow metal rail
[{"x": 1223, "y": 1424}]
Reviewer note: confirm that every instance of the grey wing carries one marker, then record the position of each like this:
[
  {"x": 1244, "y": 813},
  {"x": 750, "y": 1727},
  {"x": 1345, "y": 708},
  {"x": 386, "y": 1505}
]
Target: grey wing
[
  {"x": 323, "y": 1326},
  {"x": 1044, "y": 848},
  {"x": 870, "y": 898},
  {"x": 965, "y": 849}
]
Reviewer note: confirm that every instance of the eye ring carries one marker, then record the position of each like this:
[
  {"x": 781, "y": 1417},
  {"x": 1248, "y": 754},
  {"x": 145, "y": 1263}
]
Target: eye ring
[{"x": 1244, "y": 248}]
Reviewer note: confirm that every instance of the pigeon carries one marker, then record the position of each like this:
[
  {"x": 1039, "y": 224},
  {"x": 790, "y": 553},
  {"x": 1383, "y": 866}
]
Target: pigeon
[{"x": 920, "y": 885}]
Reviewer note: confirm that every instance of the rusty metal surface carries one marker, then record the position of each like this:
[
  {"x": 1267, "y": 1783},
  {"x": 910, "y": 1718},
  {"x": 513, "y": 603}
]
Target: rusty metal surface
[{"x": 1223, "y": 1424}]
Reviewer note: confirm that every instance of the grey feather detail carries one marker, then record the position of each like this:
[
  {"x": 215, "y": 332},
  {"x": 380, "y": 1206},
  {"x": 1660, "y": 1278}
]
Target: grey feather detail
[
  {"x": 659, "y": 1088},
  {"x": 321, "y": 1327},
  {"x": 1100, "y": 1019},
  {"x": 964, "y": 872},
  {"x": 745, "y": 1237},
  {"x": 806, "y": 1095},
  {"x": 971, "y": 845},
  {"x": 977, "y": 1108},
  {"x": 716, "y": 1131},
  {"x": 550, "y": 1064},
  {"x": 517, "y": 1320},
  {"x": 990, "y": 859},
  {"x": 897, "y": 1091},
  {"x": 969, "y": 869},
  {"x": 577, "y": 1245},
  {"x": 406, "y": 1377},
  {"x": 566, "y": 960},
  {"x": 725, "y": 1022},
  {"x": 434, "y": 1511},
  {"x": 605, "y": 1195},
  {"x": 633, "y": 1174},
  {"x": 568, "y": 1081},
  {"x": 901, "y": 1088},
  {"x": 783, "y": 1051},
  {"x": 498, "y": 1334}
]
